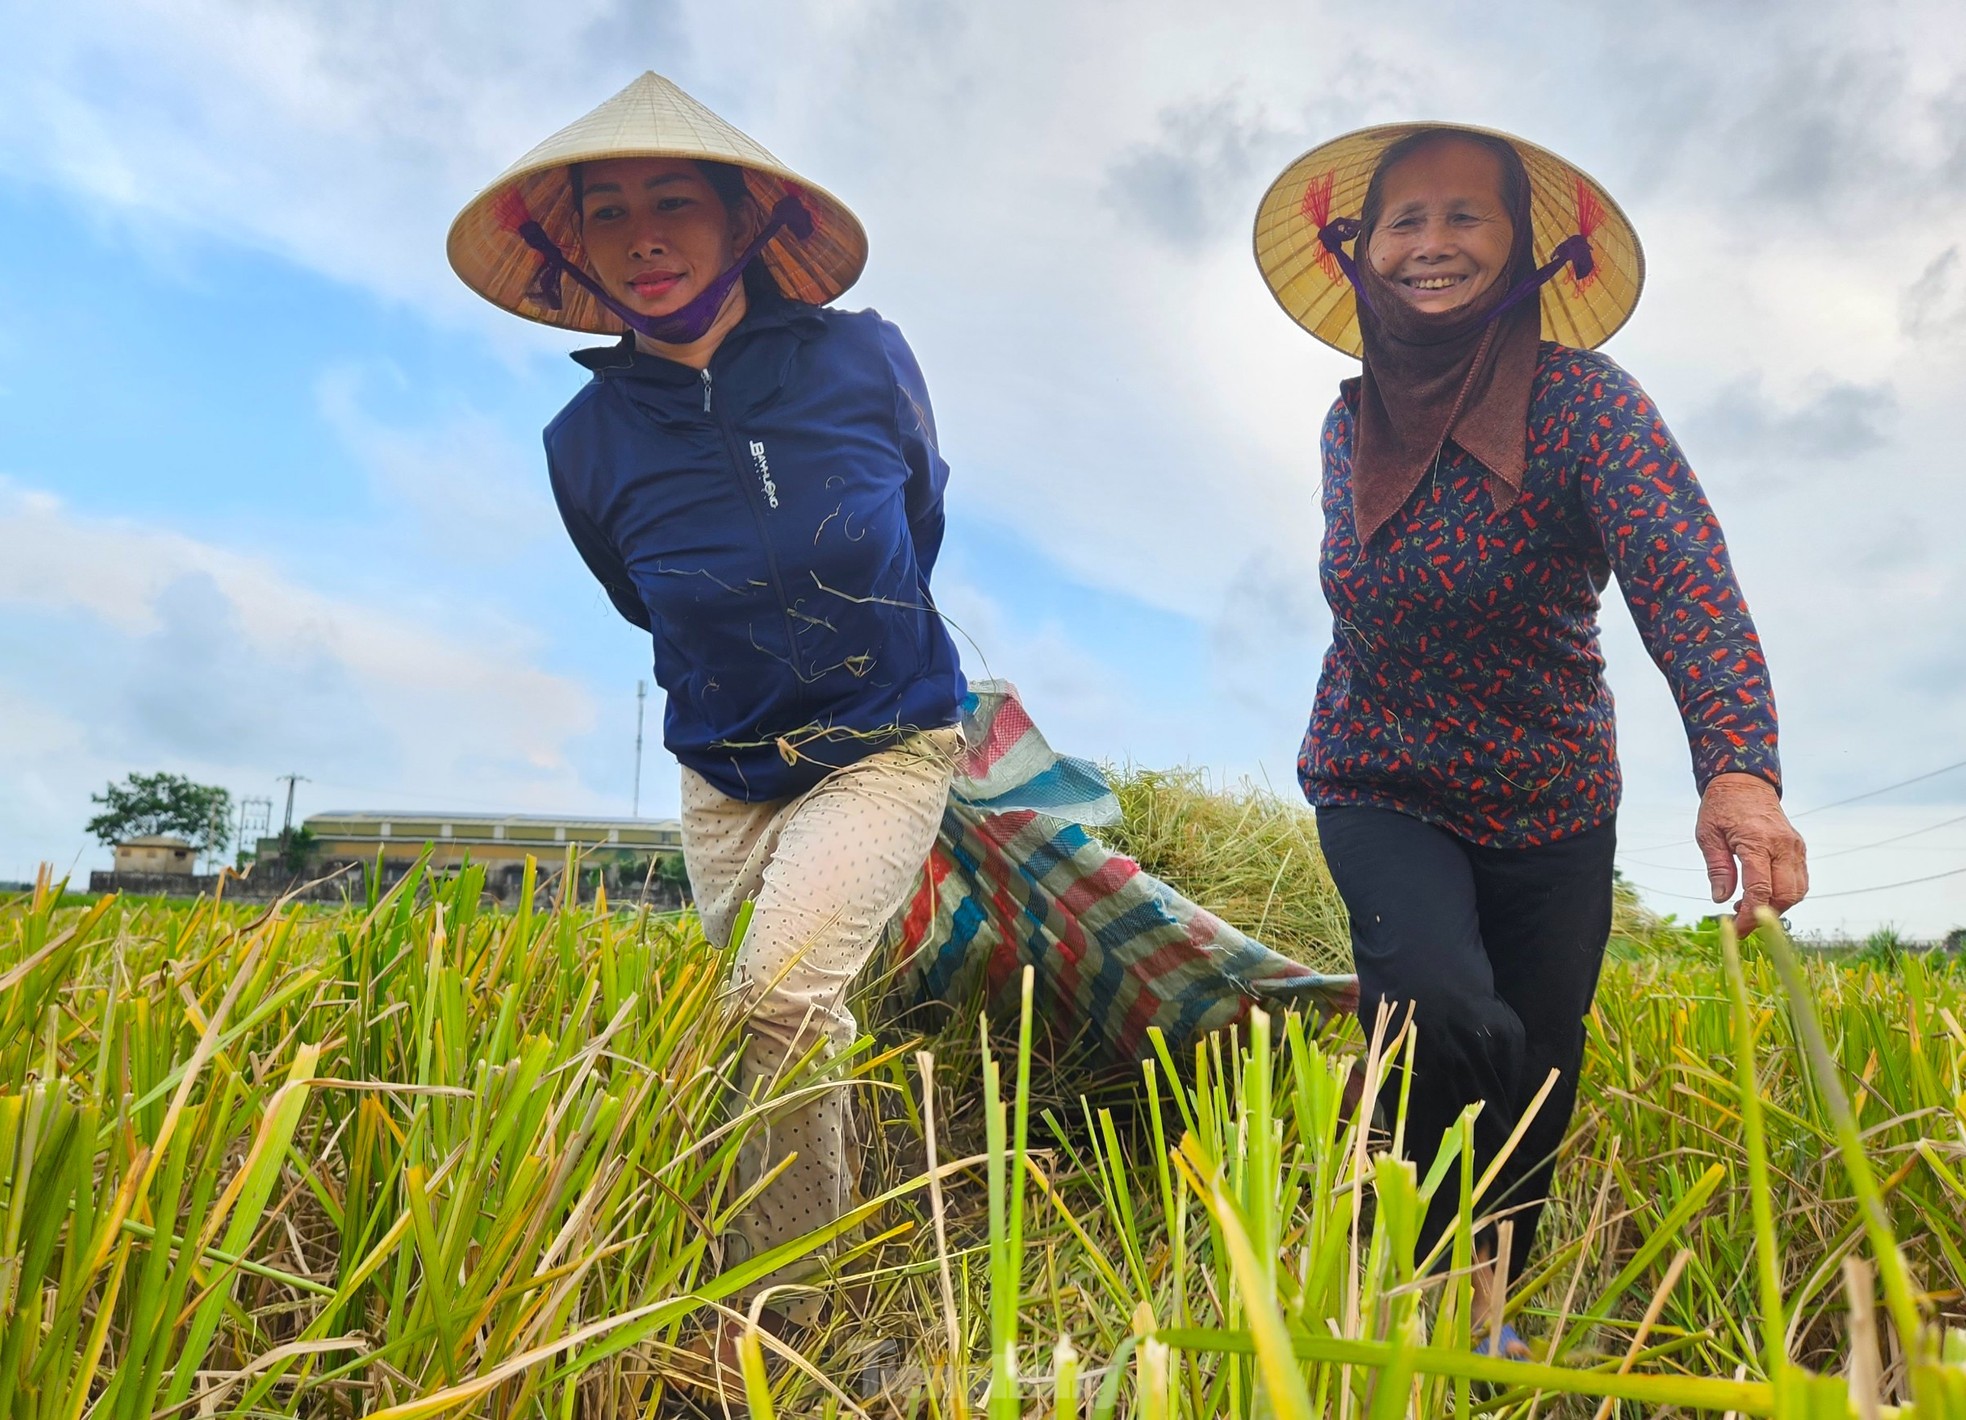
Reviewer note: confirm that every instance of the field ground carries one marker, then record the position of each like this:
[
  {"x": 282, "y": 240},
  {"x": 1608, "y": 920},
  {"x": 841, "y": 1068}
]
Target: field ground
[{"x": 413, "y": 1158}]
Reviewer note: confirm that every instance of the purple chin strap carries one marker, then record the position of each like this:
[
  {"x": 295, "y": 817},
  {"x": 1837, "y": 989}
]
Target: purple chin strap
[
  {"x": 1574, "y": 251},
  {"x": 683, "y": 326}
]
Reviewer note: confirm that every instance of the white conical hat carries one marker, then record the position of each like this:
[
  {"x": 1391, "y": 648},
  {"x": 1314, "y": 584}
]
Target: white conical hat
[{"x": 651, "y": 118}]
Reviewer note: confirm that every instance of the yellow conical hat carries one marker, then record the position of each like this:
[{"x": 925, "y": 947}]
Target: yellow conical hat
[
  {"x": 651, "y": 118},
  {"x": 1330, "y": 181}
]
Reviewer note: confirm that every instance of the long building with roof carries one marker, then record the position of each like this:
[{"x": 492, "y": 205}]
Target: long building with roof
[
  {"x": 487, "y": 838},
  {"x": 618, "y": 850}
]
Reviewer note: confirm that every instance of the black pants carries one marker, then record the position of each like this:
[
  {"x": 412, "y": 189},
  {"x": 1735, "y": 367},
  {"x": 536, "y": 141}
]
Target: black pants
[{"x": 1496, "y": 951}]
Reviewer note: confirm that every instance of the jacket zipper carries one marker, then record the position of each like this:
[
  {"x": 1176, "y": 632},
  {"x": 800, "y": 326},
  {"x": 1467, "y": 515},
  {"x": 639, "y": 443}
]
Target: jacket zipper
[{"x": 741, "y": 470}]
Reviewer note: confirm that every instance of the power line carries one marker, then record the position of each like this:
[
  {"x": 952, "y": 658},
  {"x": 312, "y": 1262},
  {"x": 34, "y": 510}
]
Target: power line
[
  {"x": 1886, "y": 887},
  {"x": 1833, "y": 804},
  {"x": 1814, "y": 896},
  {"x": 1815, "y": 857},
  {"x": 1661, "y": 867},
  {"x": 1873, "y": 793},
  {"x": 1680, "y": 896},
  {"x": 1866, "y": 847}
]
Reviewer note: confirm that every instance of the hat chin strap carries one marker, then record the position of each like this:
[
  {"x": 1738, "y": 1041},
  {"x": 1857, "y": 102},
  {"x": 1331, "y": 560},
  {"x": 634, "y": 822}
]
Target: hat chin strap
[
  {"x": 1574, "y": 251},
  {"x": 685, "y": 325}
]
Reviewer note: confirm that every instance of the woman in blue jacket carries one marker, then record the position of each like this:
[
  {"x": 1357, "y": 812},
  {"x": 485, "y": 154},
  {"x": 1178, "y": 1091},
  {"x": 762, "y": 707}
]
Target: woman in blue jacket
[{"x": 753, "y": 478}]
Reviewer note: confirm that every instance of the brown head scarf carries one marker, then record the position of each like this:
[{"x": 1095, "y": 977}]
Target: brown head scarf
[{"x": 1462, "y": 374}]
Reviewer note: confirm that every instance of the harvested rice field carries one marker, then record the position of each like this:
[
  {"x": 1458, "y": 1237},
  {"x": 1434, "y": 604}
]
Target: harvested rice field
[{"x": 409, "y": 1157}]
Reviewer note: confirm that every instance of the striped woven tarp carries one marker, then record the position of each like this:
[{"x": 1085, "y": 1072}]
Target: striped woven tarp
[{"x": 1015, "y": 877}]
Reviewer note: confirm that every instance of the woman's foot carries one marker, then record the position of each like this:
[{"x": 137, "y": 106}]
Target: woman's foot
[
  {"x": 1493, "y": 1335},
  {"x": 712, "y": 1367},
  {"x": 1505, "y": 1343}
]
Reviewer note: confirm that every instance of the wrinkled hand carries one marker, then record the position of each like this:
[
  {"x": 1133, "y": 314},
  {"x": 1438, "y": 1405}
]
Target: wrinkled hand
[{"x": 1741, "y": 818}]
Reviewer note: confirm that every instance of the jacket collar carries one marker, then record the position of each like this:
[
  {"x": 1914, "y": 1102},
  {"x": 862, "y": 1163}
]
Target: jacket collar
[{"x": 767, "y": 311}]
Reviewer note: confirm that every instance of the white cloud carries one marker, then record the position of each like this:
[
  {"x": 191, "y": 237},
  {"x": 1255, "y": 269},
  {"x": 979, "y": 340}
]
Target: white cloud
[
  {"x": 1083, "y": 694},
  {"x": 135, "y": 647},
  {"x": 473, "y": 493}
]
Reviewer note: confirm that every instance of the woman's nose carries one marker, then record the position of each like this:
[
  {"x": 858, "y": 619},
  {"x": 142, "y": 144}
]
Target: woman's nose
[
  {"x": 649, "y": 240},
  {"x": 1436, "y": 240}
]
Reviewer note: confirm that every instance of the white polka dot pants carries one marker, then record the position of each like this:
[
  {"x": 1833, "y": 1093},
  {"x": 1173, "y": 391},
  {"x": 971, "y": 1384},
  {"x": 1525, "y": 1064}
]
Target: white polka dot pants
[{"x": 824, "y": 873}]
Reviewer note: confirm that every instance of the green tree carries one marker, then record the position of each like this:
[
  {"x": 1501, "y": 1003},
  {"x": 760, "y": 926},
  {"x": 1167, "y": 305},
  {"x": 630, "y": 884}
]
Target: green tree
[
  {"x": 295, "y": 847},
  {"x": 670, "y": 871},
  {"x": 200, "y": 814}
]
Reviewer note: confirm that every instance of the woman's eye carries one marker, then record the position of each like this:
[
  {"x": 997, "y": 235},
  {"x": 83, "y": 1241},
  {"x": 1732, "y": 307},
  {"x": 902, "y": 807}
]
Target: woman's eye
[
  {"x": 604, "y": 214},
  {"x": 672, "y": 204}
]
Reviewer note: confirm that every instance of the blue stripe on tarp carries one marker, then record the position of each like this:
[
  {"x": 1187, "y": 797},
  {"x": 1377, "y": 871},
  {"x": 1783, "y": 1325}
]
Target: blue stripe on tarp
[
  {"x": 1071, "y": 789},
  {"x": 1054, "y": 852},
  {"x": 1135, "y": 927},
  {"x": 1189, "y": 1022},
  {"x": 964, "y": 923},
  {"x": 1139, "y": 921},
  {"x": 1041, "y": 946},
  {"x": 1038, "y": 946}
]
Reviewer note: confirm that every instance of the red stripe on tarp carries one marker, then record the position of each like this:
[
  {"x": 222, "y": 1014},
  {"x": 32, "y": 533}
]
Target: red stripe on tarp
[
  {"x": 921, "y": 911},
  {"x": 1204, "y": 929},
  {"x": 1082, "y": 890},
  {"x": 1132, "y": 1033},
  {"x": 999, "y": 829},
  {"x": 998, "y": 872},
  {"x": 1095, "y": 887},
  {"x": 1009, "y": 725},
  {"x": 1163, "y": 960},
  {"x": 1146, "y": 974},
  {"x": 1071, "y": 976},
  {"x": 1068, "y": 932}
]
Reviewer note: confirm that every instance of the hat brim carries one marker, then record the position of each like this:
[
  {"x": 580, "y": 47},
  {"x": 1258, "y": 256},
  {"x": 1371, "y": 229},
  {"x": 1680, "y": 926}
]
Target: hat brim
[
  {"x": 1314, "y": 292},
  {"x": 651, "y": 118}
]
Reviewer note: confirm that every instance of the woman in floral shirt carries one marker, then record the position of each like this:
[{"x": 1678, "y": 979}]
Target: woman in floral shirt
[{"x": 1481, "y": 485}]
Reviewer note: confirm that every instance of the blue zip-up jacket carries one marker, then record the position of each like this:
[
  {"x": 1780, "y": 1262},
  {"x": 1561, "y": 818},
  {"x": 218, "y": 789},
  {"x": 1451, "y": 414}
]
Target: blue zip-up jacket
[{"x": 772, "y": 521}]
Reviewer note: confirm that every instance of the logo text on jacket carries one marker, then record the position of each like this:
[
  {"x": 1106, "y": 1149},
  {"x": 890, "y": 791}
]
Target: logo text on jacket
[{"x": 764, "y": 471}]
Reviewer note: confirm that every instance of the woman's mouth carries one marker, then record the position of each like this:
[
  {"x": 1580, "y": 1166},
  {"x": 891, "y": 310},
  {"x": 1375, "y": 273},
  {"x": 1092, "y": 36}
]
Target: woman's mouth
[
  {"x": 654, "y": 285},
  {"x": 1433, "y": 283}
]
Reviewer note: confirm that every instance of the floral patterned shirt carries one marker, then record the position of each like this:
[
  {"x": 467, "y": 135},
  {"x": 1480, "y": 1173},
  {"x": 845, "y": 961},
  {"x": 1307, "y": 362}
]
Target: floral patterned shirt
[{"x": 1465, "y": 685}]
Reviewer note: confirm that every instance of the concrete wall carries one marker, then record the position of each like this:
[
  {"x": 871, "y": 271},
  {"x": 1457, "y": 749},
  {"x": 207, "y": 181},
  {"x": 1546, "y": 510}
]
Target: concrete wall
[
  {"x": 154, "y": 884},
  {"x": 347, "y": 880}
]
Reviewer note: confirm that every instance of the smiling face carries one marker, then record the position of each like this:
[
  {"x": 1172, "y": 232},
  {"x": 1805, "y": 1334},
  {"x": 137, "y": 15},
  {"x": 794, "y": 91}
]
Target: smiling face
[
  {"x": 655, "y": 231},
  {"x": 1443, "y": 234}
]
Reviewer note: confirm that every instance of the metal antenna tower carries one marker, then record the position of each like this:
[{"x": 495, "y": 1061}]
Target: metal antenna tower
[{"x": 255, "y": 821}]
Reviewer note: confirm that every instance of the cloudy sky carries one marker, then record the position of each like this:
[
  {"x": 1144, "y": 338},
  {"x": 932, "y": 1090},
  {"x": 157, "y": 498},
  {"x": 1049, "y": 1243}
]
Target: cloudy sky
[{"x": 271, "y": 496}]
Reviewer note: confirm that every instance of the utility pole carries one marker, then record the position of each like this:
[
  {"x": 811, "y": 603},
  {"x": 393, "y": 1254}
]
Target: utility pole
[
  {"x": 214, "y": 827},
  {"x": 641, "y": 702},
  {"x": 287, "y": 827}
]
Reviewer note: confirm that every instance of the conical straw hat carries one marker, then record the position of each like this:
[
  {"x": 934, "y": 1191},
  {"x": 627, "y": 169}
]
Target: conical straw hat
[
  {"x": 1330, "y": 181},
  {"x": 651, "y": 118}
]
